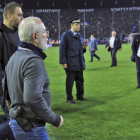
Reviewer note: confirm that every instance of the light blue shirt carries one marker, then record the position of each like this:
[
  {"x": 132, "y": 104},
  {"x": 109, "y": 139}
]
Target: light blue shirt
[
  {"x": 91, "y": 44},
  {"x": 74, "y": 32}
]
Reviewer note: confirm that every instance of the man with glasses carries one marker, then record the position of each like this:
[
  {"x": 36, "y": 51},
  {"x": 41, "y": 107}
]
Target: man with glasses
[{"x": 28, "y": 93}]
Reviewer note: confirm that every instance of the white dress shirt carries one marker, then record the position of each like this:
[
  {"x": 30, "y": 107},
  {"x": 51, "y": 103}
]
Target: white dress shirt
[
  {"x": 112, "y": 39},
  {"x": 138, "y": 54}
]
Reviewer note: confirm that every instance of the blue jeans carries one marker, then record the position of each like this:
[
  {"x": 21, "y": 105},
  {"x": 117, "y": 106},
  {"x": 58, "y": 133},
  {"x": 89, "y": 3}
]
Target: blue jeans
[{"x": 36, "y": 133}]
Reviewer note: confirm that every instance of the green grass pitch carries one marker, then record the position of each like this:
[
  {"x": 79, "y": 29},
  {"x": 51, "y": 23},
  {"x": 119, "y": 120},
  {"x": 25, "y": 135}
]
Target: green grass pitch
[{"x": 112, "y": 109}]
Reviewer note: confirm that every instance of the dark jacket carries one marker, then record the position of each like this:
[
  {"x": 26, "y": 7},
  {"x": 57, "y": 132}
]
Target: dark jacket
[
  {"x": 117, "y": 44},
  {"x": 62, "y": 36},
  {"x": 135, "y": 44},
  {"x": 71, "y": 52},
  {"x": 5, "y": 53}
]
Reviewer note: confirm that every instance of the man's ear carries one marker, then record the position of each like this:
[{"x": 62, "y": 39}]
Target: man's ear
[
  {"x": 35, "y": 37},
  {"x": 10, "y": 16}
]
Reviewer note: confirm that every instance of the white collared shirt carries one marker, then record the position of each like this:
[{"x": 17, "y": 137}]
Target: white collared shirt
[
  {"x": 138, "y": 54},
  {"x": 112, "y": 39},
  {"x": 74, "y": 32}
]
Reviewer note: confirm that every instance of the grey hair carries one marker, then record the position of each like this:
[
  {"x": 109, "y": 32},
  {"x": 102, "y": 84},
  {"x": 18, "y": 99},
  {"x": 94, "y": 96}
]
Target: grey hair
[
  {"x": 27, "y": 27},
  {"x": 114, "y": 32}
]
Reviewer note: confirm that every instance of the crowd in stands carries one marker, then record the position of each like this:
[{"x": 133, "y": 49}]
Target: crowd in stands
[
  {"x": 100, "y": 21},
  {"x": 126, "y": 21}
]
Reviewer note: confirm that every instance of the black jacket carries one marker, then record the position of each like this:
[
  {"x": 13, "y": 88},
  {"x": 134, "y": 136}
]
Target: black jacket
[
  {"x": 135, "y": 44},
  {"x": 71, "y": 52},
  {"x": 5, "y": 53},
  {"x": 117, "y": 44}
]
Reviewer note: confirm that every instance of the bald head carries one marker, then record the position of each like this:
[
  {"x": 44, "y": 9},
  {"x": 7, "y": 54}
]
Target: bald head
[{"x": 113, "y": 33}]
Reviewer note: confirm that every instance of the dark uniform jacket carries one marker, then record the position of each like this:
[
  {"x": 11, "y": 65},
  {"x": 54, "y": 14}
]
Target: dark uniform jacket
[{"x": 71, "y": 52}]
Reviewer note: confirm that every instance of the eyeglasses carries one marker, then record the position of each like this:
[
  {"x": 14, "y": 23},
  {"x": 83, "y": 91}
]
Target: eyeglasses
[{"x": 47, "y": 32}]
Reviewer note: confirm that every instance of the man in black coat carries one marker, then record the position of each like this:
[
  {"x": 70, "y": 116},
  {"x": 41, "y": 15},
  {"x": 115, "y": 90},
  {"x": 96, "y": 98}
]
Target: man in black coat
[
  {"x": 136, "y": 53},
  {"x": 114, "y": 44},
  {"x": 9, "y": 41},
  {"x": 72, "y": 60}
]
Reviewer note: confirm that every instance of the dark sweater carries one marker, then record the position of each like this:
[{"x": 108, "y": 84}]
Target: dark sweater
[
  {"x": 13, "y": 37},
  {"x": 8, "y": 45}
]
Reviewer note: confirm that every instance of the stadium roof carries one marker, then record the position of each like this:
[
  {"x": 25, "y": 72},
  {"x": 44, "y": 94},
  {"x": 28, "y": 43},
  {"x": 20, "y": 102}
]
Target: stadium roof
[{"x": 73, "y": 4}]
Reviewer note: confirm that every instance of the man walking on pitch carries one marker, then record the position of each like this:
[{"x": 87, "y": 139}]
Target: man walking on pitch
[
  {"x": 114, "y": 44},
  {"x": 93, "y": 48}
]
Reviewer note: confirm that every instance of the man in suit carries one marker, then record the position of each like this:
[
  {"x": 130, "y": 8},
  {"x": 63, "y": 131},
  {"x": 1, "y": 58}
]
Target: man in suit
[
  {"x": 72, "y": 60},
  {"x": 136, "y": 53},
  {"x": 114, "y": 44},
  {"x": 93, "y": 48}
]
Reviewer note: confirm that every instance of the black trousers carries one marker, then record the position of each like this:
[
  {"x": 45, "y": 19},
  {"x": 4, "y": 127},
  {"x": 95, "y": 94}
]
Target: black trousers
[
  {"x": 113, "y": 56},
  {"x": 5, "y": 129},
  {"x": 138, "y": 69},
  {"x": 92, "y": 53},
  {"x": 76, "y": 76}
]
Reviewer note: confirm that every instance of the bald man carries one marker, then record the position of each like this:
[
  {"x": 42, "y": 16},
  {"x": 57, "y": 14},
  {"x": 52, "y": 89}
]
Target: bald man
[{"x": 114, "y": 44}]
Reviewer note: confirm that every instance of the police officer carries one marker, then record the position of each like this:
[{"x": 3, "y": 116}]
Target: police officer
[
  {"x": 72, "y": 60},
  {"x": 136, "y": 53}
]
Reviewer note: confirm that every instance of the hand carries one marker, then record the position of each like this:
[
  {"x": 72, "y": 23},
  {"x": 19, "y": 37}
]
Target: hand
[
  {"x": 120, "y": 49},
  {"x": 104, "y": 48},
  {"x": 64, "y": 66},
  {"x": 84, "y": 46},
  {"x": 61, "y": 121}
]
